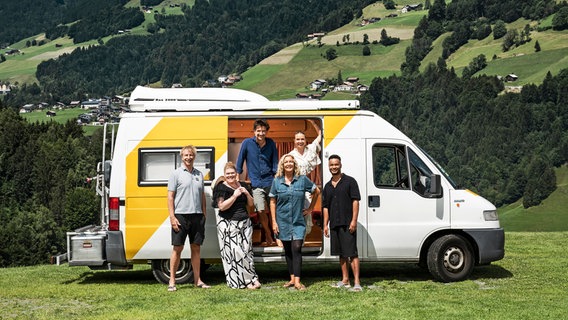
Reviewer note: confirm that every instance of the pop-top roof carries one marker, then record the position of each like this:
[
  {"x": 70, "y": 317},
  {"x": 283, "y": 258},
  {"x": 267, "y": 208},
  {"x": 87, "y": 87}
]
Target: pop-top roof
[{"x": 229, "y": 99}]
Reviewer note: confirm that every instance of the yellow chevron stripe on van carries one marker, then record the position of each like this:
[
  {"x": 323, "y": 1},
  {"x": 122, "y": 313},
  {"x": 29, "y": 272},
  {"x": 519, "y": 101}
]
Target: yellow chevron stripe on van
[
  {"x": 146, "y": 207},
  {"x": 333, "y": 125}
]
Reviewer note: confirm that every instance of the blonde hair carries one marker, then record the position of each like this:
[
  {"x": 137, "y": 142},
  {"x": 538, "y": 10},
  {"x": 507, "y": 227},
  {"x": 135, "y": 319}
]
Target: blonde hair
[
  {"x": 229, "y": 165},
  {"x": 191, "y": 148},
  {"x": 221, "y": 179},
  {"x": 280, "y": 172}
]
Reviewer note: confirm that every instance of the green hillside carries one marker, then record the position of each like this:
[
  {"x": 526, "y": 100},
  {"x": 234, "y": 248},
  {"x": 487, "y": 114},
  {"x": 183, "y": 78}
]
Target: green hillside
[
  {"x": 290, "y": 71},
  {"x": 21, "y": 68},
  {"x": 551, "y": 215}
]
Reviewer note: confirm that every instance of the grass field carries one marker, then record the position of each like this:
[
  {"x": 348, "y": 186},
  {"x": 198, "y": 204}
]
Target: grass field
[
  {"x": 62, "y": 117},
  {"x": 529, "y": 283}
]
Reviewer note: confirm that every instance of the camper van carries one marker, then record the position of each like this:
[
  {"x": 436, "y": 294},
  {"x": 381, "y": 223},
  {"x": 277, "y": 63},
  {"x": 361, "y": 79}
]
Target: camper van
[{"x": 410, "y": 210}]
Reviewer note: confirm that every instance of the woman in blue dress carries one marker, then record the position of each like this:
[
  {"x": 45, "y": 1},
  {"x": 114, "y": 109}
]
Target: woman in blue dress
[{"x": 287, "y": 208}]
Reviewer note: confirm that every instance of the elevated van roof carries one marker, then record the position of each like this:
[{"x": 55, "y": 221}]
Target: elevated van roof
[{"x": 222, "y": 99}]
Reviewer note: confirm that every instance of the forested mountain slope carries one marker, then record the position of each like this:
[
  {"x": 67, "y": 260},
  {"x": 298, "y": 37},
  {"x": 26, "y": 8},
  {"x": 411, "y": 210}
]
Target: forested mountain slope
[{"x": 211, "y": 38}]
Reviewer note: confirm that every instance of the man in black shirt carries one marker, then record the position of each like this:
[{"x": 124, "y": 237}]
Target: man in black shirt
[{"x": 340, "y": 201}]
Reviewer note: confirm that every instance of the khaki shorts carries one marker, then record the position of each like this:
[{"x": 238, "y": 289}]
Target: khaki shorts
[{"x": 260, "y": 196}]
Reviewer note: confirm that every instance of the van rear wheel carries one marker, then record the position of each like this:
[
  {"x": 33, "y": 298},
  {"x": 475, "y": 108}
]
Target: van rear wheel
[
  {"x": 450, "y": 258},
  {"x": 161, "y": 271}
]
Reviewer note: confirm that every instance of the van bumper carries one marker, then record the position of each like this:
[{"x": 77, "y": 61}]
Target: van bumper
[{"x": 490, "y": 243}]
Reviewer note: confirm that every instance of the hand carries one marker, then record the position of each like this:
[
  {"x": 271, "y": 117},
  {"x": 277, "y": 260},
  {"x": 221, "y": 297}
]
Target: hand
[
  {"x": 275, "y": 228},
  {"x": 353, "y": 227},
  {"x": 175, "y": 224},
  {"x": 244, "y": 191},
  {"x": 307, "y": 211},
  {"x": 238, "y": 192},
  {"x": 326, "y": 231}
]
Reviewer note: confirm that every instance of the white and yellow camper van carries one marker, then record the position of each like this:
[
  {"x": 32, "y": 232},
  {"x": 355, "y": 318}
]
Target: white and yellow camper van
[{"x": 410, "y": 211}]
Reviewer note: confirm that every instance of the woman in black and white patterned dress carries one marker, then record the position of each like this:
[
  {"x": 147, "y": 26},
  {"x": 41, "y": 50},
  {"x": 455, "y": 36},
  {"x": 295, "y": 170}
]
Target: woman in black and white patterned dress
[{"x": 234, "y": 229}]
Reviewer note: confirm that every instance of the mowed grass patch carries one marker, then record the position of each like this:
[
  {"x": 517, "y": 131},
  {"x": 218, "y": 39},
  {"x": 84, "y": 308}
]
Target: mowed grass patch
[
  {"x": 524, "y": 61},
  {"x": 22, "y": 67},
  {"x": 284, "y": 81},
  {"x": 62, "y": 116},
  {"x": 527, "y": 284}
]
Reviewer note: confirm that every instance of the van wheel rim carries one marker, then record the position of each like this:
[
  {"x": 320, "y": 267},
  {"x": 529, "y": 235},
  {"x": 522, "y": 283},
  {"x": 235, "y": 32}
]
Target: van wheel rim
[{"x": 453, "y": 259}]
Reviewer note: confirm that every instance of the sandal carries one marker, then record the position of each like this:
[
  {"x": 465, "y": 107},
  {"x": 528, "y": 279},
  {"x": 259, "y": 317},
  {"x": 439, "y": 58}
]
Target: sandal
[
  {"x": 253, "y": 286},
  {"x": 341, "y": 284},
  {"x": 288, "y": 285},
  {"x": 172, "y": 288},
  {"x": 202, "y": 285},
  {"x": 300, "y": 287},
  {"x": 356, "y": 288}
]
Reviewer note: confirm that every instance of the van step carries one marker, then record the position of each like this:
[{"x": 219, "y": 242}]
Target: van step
[{"x": 276, "y": 250}]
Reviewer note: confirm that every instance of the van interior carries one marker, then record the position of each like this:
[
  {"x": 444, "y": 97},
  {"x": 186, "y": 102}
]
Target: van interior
[{"x": 282, "y": 131}]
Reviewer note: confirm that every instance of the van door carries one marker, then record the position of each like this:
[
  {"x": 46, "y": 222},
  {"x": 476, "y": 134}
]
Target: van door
[{"x": 400, "y": 213}]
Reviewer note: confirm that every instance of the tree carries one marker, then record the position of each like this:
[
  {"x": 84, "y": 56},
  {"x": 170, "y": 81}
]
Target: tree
[
  {"x": 330, "y": 54},
  {"x": 560, "y": 20},
  {"x": 339, "y": 77},
  {"x": 389, "y": 4},
  {"x": 438, "y": 11},
  {"x": 386, "y": 40},
  {"x": 366, "y": 39},
  {"x": 540, "y": 184},
  {"x": 478, "y": 63},
  {"x": 366, "y": 51},
  {"x": 510, "y": 39},
  {"x": 499, "y": 30},
  {"x": 81, "y": 209},
  {"x": 537, "y": 46}
]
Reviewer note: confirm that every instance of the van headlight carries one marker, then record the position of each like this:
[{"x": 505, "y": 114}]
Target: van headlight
[{"x": 490, "y": 215}]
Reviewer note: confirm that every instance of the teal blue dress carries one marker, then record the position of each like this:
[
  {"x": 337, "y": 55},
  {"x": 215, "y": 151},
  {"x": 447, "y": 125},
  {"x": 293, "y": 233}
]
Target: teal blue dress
[{"x": 289, "y": 206}]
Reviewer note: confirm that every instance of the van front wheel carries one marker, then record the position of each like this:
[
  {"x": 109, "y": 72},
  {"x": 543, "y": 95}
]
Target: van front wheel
[
  {"x": 161, "y": 271},
  {"x": 450, "y": 258}
]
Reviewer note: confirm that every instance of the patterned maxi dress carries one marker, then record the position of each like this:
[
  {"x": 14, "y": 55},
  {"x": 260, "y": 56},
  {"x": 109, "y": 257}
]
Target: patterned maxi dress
[{"x": 234, "y": 230}]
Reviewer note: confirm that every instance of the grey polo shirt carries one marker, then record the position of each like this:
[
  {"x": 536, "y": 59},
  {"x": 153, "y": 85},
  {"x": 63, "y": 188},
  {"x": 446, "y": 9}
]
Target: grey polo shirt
[{"x": 188, "y": 187}]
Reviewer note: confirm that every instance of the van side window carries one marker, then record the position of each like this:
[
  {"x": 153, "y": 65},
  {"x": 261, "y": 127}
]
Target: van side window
[
  {"x": 156, "y": 164},
  {"x": 419, "y": 173},
  {"x": 390, "y": 167}
]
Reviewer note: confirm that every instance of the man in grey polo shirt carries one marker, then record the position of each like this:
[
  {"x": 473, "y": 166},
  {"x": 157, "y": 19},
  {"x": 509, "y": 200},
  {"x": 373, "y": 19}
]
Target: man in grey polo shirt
[{"x": 186, "y": 206}]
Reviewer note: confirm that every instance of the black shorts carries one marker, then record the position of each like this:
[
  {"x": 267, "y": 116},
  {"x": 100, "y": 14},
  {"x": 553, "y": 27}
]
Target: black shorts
[
  {"x": 192, "y": 225},
  {"x": 343, "y": 242}
]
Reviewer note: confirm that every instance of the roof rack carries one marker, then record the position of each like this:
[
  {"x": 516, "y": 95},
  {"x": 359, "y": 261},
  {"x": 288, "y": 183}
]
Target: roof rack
[{"x": 222, "y": 99}]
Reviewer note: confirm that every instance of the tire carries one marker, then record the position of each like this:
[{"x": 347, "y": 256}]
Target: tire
[
  {"x": 161, "y": 271},
  {"x": 450, "y": 258}
]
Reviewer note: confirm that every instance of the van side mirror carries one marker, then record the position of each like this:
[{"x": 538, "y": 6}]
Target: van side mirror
[{"x": 435, "y": 190}]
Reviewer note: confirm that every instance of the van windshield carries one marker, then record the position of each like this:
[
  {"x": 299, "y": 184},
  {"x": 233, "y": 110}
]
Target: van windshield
[{"x": 444, "y": 173}]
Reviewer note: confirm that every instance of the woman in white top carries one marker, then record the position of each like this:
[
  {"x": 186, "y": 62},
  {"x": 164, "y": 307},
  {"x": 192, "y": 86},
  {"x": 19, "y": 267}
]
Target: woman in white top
[{"x": 306, "y": 155}]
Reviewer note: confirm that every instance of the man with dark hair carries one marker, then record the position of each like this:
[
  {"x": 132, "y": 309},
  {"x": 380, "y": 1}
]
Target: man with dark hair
[
  {"x": 340, "y": 202},
  {"x": 261, "y": 157}
]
